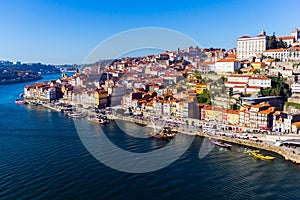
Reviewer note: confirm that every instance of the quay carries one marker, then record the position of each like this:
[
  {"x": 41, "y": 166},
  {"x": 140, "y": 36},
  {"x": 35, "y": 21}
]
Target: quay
[
  {"x": 51, "y": 107},
  {"x": 286, "y": 153},
  {"x": 264, "y": 145}
]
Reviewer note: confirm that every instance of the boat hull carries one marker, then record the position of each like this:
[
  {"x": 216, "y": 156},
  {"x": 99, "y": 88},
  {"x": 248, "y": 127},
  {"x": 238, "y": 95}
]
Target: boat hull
[{"x": 221, "y": 144}]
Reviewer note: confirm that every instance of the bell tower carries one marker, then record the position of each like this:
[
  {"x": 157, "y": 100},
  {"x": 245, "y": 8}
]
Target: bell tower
[
  {"x": 296, "y": 33},
  {"x": 263, "y": 32}
]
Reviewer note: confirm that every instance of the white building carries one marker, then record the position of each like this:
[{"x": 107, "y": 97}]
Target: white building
[
  {"x": 238, "y": 78},
  {"x": 227, "y": 65},
  {"x": 246, "y": 89},
  {"x": 291, "y": 40},
  {"x": 284, "y": 54},
  {"x": 259, "y": 81},
  {"x": 295, "y": 88},
  {"x": 248, "y": 47}
]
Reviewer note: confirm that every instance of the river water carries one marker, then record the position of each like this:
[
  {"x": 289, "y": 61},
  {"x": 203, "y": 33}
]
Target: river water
[{"x": 42, "y": 157}]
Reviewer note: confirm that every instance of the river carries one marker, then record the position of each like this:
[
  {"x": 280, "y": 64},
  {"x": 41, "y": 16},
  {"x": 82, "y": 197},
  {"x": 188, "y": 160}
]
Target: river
[{"x": 43, "y": 157}]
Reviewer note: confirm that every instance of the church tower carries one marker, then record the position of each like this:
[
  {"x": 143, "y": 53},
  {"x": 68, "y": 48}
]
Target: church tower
[
  {"x": 296, "y": 33},
  {"x": 263, "y": 32}
]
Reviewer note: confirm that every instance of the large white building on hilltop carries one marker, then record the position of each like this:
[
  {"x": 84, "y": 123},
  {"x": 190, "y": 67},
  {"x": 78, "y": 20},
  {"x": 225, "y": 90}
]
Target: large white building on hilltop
[{"x": 248, "y": 47}]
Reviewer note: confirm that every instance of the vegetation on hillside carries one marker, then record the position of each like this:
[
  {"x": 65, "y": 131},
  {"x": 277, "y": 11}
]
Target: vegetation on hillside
[
  {"x": 273, "y": 43},
  {"x": 279, "y": 88},
  {"x": 204, "y": 98}
]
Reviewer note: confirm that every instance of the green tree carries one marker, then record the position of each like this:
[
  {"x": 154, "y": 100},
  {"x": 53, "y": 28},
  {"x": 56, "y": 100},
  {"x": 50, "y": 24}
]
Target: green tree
[
  {"x": 234, "y": 107},
  {"x": 281, "y": 44},
  {"x": 230, "y": 92},
  {"x": 198, "y": 76},
  {"x": 272, "y": 43},
  {"x": 204, "y": 98},
  {"x": 279, "y": 88}
]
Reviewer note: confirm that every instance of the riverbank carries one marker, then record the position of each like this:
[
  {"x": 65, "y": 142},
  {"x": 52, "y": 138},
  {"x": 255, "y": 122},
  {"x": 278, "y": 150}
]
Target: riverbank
[
  {"x": 20, "y": 80},
  {"x": 286, "y": 154},
  {"x": 264, "y": 145}
]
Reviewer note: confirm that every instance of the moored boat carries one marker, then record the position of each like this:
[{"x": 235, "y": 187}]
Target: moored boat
[
  {"x": 260, "y": 156},
  {"x": 165, "y": 133},
  {"x": 221, "y": 144},
  {"x": 20, "y": 102},
  {"x": 250, "y": 151},
  {"x": 76, "y": 115},
  {"x": 99, "y": 120}
]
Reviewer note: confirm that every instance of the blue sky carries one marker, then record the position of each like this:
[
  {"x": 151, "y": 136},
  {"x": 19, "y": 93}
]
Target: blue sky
[{"x": 66, "y": 31}]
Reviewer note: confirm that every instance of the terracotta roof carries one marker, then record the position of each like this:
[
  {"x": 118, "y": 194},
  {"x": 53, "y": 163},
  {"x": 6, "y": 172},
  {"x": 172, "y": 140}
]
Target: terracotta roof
[
  {"x": 231, "y": 56},
  {"x": 245, "y": 36},
  {"x": 296, "y": 123},
  {"x": 261, "y": 35},
  {"x": 269, "y": 60},
  {"x": 204, "y": 64},
  {"x": 285, "y": 38},
  {"x": 228, "y": 60},
  {"x": 263, "y": 104},
  {"x": 233, "y": 111},
  {"x": 266, "y": 111},
  {"x": 238, "y": 75},
  {"x": 232, "y": 82},
  {"x": 276, "y": 50},
  {"x": 256, "y": 62}
]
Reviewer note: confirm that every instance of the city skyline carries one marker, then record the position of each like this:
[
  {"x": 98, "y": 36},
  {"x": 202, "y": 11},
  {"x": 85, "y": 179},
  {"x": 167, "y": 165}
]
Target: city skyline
[{"x": 59, "y": 32}]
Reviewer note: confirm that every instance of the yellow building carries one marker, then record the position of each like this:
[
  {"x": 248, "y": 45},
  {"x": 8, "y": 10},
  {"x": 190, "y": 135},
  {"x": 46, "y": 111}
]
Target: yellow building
[
  {"x": 258, "y": 65},
  {"x": 200, "y": 87},
  {"x": 101, "y": 98},
  {"x": 295, "y": 127},
  {"x": 214, "y": 114},
  {"x": 233, "y": 116}
]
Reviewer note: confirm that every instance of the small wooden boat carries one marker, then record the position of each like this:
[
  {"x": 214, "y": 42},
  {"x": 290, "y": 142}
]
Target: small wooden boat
[
  {"x": 221, "y": 144},
  {"x": 165, "y": 133},
  {"x": 20, "y": 102}
]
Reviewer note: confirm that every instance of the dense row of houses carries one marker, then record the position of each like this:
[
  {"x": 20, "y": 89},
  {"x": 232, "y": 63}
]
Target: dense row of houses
[
  {"x": 162, "y": 103},
  {"x": 68, "y": 91},
  {"x": 47, "y": 91},
  {"x": 166, "y": 85},
  {"x": 259, "y": 116}
]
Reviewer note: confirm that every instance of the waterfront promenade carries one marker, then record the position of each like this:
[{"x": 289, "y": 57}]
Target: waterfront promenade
[{"x": 264, "y": 141}]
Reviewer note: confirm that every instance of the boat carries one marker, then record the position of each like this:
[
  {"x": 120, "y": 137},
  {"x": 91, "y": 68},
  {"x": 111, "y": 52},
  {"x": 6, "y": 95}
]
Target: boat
[
  {"x": 221, "y": 144},
  {"x": 260, "y": 156},
  {"x": 250, "y": 151},
  {"x": 99, "y": 120},
  {"x": 32, "y": 103},
  {"x": 165, "y": 133},
  {"x": 20, "y": 102},
  {"x": 76, "y": 115}
]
